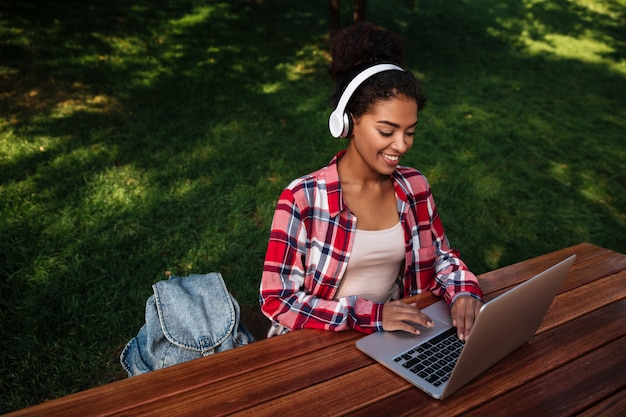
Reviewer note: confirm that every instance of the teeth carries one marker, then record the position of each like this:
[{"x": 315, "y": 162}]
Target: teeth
[{"x": 391, "y": 157}]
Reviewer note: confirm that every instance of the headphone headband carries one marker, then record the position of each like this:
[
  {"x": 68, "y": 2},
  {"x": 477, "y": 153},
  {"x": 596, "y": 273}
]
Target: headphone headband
[{"x": 339, "y": 121}]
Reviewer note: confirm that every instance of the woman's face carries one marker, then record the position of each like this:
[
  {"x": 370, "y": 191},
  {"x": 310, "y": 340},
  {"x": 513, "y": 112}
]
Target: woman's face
[{"x": 385, "y": 133}]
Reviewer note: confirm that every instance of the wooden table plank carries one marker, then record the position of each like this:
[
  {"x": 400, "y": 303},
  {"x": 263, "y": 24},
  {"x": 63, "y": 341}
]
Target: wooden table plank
[
  {"x": 589, "y": 266},
  {"x": 589, "y": 270},
  {"x": 335, "y": 397},
  {"x": 508, "y": 276},
  {"x": 613, "y": 405},
  {"x": 575, "y": 338},
  {"x": 586, "y": 299},
  {"x": 270, "y": 383},
  {"x": 598, "y": 374},
  {"x": 119, "y": 396}
]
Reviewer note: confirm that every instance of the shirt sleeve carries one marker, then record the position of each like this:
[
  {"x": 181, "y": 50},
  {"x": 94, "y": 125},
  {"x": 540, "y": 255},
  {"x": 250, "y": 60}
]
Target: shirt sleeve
[{"x": 289, "y": 291}]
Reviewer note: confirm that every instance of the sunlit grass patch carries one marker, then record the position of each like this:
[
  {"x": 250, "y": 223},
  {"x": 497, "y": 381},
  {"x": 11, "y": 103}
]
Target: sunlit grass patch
[
  {"x": 583, "y": 47},
  {"x": 117, "y": 189}
]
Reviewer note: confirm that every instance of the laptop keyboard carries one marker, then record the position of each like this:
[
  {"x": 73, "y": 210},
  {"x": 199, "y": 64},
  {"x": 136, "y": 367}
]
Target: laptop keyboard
[{"x": 433, "y": 360}]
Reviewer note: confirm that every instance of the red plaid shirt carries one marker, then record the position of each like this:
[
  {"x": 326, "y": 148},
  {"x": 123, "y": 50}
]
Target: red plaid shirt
[{"x": 309, "y": 248}]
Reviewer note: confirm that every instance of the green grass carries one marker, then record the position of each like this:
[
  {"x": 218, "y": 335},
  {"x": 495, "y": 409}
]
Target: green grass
[{"x": 146, "y": 138}]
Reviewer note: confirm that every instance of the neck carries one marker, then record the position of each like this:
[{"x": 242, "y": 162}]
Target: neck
[{"x": 353, "y": 171}]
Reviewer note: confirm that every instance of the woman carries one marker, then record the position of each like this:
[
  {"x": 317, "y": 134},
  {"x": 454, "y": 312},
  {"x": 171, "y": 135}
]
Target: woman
[{"x": 349, "y": 240}]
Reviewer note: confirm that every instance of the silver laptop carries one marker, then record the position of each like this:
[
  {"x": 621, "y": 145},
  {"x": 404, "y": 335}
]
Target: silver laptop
[{"x": 437, "y": 362}]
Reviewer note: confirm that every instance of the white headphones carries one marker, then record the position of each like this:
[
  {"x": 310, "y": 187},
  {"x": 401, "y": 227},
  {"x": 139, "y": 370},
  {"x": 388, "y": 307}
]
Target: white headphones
[{"x": 339, "y": 122}]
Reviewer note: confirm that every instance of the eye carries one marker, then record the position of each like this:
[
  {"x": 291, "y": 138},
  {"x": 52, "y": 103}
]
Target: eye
[
  {"x": 410, "y": 134},
  {"x": 385, "y": 134}
]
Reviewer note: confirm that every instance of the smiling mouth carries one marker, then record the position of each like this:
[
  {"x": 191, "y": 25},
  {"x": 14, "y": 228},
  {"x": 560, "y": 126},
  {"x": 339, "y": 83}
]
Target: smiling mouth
[{"x": 392, "y": 158}]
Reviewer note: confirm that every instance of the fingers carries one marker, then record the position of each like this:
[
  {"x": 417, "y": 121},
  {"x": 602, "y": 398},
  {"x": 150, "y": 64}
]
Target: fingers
[
  {"x": 401, "y": 316},
  {"x": 407, "y": 317},
  {"x": 464, "y": 312}
]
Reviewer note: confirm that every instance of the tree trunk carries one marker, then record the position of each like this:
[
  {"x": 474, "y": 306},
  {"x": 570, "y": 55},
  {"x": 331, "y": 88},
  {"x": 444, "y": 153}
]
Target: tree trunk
[
  {"x": 334, "y": 13},
  {"x": 360, "y": 10},
  {"x": 333, "y": 10}
]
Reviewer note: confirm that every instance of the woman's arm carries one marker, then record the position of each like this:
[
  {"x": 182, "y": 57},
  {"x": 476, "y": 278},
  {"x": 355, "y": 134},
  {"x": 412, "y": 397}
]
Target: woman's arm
[{"x": 292, "y": 284}]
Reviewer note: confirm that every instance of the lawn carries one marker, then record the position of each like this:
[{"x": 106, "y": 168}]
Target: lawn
[{"x": 145, "y": 138}]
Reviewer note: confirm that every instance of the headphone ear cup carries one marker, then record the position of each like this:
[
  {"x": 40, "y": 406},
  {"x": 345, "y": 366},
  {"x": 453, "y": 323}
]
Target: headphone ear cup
[
  {"x": 336, "y": 124},
  {"x": 347, "y": 125}
]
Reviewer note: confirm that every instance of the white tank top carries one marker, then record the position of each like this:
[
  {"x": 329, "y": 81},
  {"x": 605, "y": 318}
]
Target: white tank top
[{"x": 374, "y": 264}]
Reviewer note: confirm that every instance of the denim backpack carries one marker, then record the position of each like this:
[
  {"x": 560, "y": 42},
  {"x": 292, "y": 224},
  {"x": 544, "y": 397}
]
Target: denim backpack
[{"x": 186, "y": 318}]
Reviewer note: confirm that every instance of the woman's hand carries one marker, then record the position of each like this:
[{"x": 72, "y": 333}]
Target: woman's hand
[
  {"x": 464, "y": 312},
  {"x": 398, "y": 315}
]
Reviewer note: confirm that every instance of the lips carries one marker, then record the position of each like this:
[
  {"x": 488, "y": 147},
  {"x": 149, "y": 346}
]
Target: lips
[{"x": 391, "y": 158}]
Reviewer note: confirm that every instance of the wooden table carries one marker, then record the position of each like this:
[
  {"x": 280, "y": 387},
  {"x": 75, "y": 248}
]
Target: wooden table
[{"x": 576, "y": 364}]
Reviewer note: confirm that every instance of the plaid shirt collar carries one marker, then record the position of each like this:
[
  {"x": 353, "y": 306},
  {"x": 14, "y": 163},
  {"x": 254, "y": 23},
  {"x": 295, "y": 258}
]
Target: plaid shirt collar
[{"x": 336, "y": 203}]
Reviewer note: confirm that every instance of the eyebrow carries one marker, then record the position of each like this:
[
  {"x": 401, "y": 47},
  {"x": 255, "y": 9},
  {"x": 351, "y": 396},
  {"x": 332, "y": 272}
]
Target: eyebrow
[{"x": 397, "y": 126}]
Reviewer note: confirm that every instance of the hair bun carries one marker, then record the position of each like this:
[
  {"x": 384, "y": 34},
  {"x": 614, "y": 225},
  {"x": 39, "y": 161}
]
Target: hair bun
[{"x": 362, "y": 45}]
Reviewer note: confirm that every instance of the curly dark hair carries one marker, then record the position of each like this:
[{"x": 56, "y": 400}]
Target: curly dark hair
[{"x": 360, "y": 46}]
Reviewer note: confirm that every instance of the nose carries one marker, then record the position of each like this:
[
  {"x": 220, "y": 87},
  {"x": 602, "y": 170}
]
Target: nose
[{"x": 401, "y": 143}]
